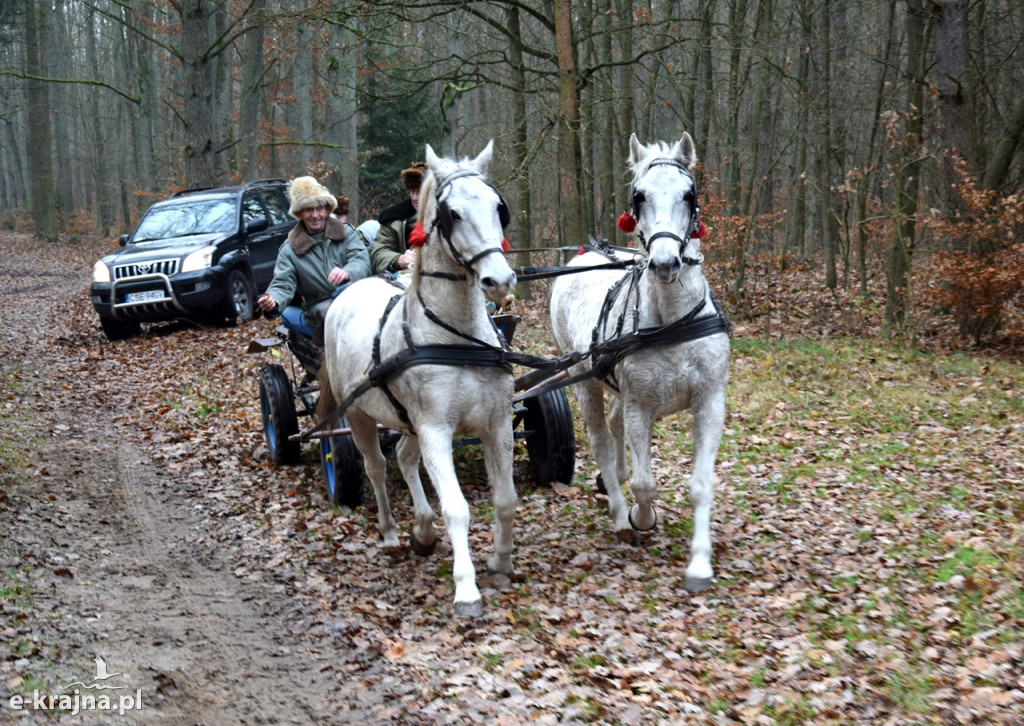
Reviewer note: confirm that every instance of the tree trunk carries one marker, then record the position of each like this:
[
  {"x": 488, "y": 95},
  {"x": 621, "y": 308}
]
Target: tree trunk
[
  {"x": 61, "y": 96},
  {"x": 100, "y": 152},
  {"x": 908, "y": 174},
  {"x": 40, "y": 148},
  {"x": 248, "y": 152},
  {"x": 345, "y": 120},
  {"x": 952, "y": 80},
  {"x": 624, "y": 15},
  {"x": 521, "y": 231},
  {"x": 797, "y": 227},
  {"x": 829, "y": 221},
  {"x": 303, "y": 98},
  {"x": 197, "y": 109},
  {"x": 570, "y": 220}
]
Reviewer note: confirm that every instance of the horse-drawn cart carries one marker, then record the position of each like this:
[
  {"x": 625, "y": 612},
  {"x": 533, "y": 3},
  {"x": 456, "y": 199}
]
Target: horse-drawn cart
[{"x": 288, "y": 392}]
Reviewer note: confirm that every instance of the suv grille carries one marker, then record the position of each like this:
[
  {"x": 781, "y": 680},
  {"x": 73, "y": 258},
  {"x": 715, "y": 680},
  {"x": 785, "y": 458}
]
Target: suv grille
[{"x": 154, "y": 267}]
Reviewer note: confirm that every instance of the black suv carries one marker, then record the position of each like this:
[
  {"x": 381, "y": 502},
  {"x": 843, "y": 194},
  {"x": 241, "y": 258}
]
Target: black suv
[{"x": 202, "y": 254}]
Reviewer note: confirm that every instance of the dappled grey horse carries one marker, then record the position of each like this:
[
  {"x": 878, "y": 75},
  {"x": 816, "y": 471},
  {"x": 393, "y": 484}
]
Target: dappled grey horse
[
  {"x": 658, "y": 344},
  {"x": 438, "y": 358}
]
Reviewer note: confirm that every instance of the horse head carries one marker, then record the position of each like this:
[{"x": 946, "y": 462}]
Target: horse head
[
  {"x": 459, "y": 206},
  {"x": 664, "y": 199}
]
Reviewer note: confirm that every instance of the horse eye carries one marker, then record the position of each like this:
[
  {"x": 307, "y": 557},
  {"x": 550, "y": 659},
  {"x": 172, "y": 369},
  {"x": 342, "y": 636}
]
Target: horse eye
[
  {"x": 689, "y": 197},
  {"x": 638, "y": 199},
  {"x": 456, "y": 215}
]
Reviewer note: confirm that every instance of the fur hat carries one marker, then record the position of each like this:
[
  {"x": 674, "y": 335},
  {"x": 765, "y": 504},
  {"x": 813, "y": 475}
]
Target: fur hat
[
  {"x": 342, "y": 208},
  {"x": 306, "y": 192},
  {"x": 413, "y": 176}
]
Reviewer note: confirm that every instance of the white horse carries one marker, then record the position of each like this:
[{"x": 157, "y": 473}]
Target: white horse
[
  {"x": 434, "y": 393},
  {"x": 658, "y": 342}
]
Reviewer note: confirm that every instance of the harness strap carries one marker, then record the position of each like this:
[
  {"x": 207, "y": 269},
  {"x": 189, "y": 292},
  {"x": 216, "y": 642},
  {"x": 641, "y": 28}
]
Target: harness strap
[
  {"x": 524, "y": 274},
  {"x": 383, "y": 371}
]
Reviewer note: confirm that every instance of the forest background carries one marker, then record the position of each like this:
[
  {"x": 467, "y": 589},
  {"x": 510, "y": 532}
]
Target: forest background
[{"x": 871, "y": 139}]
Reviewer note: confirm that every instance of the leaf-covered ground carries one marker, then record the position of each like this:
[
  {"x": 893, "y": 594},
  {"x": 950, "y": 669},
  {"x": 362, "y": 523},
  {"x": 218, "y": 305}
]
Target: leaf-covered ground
[{"x": 867, "y": 533}]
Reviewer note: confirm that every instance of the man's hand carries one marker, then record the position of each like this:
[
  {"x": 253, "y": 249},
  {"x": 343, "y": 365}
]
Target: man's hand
[
  {"x": 266, "y": 303},
  {"x": 337, "y": 276},
  {"x": 405, "y": 260}
]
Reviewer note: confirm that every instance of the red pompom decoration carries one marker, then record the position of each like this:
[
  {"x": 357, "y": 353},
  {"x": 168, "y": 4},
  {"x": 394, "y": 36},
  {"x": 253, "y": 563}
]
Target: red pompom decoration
[
  {"x": 417, "y": 238},
  {"x": 581, "y": 251},
  {"x": 626, "y": 223},
  {"x": 504, "y": 244},
  {"x": 700, "y": 231}
]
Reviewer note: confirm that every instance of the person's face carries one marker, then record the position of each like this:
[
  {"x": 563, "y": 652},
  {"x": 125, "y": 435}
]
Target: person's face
[
  {"x": 414, "y": 195},
  {"x": 314, "y": 218}
]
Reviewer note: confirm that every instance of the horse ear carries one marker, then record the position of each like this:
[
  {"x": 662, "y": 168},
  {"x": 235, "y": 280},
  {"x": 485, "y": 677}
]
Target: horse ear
[
  {"x": 483, "y": 159},
  {"x": 636, "y": 149},
  {"x": 431, "y": 157},
  {"x": 687, "y": 150}
]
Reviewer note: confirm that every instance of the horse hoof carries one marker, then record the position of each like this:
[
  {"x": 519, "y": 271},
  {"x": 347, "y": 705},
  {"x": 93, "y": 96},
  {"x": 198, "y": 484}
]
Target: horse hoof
[
  {"x": 638, "y": 529},
  {"x": 696, "y": 584},
  {"x": 422, "y": 550},
  {"x": 472, "y": 609}
]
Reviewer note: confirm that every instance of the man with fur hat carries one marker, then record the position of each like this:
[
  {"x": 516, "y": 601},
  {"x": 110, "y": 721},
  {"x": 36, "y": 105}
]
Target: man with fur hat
[
  {"x": 320, "y": 257},
  {"x": 390, "y": 249}
]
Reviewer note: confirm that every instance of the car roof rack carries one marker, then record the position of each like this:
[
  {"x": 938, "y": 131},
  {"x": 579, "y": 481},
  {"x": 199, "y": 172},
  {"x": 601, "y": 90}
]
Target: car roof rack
[
  {"x": 259, "y": 182},
  {"x": 183, "y": 192}
]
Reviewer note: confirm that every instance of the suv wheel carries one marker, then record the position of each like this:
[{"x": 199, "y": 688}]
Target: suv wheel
[
  {"x": 119, "y": 329},
  {"x": 240, "y": 302}
]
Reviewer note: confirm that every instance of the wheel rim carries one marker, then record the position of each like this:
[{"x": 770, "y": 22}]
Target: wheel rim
[
  {"x": 268, "y": 420},
  {"x": 240, "y": 296},
  {"x": 327, "y": 463}
]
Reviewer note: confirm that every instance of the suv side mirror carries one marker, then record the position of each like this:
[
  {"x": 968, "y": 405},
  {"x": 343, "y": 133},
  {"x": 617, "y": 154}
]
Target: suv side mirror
[
  {"x": 124, "y": 239},
  {"x": 257, "y": 225}
]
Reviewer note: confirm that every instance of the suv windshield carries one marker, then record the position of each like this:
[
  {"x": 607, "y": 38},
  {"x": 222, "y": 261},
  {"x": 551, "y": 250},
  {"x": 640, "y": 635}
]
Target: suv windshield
[{"x": 187, "y": 218}]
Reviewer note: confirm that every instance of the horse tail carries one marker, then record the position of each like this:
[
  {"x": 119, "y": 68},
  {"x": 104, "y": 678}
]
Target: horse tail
[{"x": 327, "y": 401}]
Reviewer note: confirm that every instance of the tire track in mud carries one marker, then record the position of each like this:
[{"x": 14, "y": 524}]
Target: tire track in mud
[{"x": 120, "y": 568}]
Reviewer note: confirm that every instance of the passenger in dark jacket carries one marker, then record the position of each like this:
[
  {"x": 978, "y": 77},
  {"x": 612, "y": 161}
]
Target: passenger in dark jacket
[{"x": 390, "y": 249}]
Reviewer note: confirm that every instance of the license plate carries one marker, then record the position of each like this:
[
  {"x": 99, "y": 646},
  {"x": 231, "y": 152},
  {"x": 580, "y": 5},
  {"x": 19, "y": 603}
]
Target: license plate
[{"x": 145, "y": 296}]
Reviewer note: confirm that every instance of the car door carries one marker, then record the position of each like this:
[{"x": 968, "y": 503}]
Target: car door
[{"x": 265, "y": 237}]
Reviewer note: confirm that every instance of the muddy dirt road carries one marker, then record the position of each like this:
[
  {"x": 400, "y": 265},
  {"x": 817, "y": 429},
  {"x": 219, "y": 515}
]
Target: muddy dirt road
[{"x": 103, "y": 557}]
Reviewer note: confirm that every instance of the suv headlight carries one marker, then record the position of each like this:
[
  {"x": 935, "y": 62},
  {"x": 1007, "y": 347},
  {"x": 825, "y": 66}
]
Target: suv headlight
[
  {"x": 198, "y": 260},
  {"x": 100, "y": 272}
]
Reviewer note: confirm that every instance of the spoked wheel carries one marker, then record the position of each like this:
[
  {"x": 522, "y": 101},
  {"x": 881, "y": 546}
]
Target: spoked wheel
[
  {"x": 550, "y": 437},
  {"x": 342, "y": 465},
  {"x": 277, "y": 405}
]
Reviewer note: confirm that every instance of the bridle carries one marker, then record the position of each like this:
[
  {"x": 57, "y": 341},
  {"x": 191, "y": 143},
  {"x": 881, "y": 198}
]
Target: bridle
[
  {"x": 444, "y": 224},
  {"x": 637, "y": 199}
]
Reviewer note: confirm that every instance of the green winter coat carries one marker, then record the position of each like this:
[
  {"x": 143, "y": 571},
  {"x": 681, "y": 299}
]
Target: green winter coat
[
  {"x": 303, "y": 264},
  {"x": 392, "y": 238}
]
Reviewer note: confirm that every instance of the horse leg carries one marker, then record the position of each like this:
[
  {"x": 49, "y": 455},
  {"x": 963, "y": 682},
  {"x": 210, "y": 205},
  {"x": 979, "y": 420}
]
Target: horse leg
[
  {"x": 708, "y": 424},
  {"x": 615, "y": 425},
  {"x": 602, "y": 449},
  {"x": 364, "y": 433},
  {"x": 638, "y": 429},
  {"x": 436, "y": 447},
  {"x": 498, "y": 447},
  {"x": 423, "y": 538}
]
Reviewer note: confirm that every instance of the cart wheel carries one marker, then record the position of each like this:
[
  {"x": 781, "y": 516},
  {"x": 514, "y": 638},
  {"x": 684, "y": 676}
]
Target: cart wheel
[
  {"x": 277, "y": 405},
  {"x": 342, "y": 465},
  {"x": 550, "y": 437}
]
